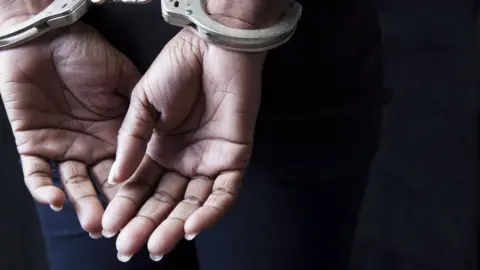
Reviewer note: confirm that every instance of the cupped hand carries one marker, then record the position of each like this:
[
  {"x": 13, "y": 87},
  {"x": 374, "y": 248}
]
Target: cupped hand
[
  {"x": 184, "y": 145},
  {"x": 66, "y": 95}
]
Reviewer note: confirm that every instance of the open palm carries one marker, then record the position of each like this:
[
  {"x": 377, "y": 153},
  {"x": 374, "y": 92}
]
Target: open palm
[
  {"x": 184, "y": 145},
  {"x": 66, "y": 96}
]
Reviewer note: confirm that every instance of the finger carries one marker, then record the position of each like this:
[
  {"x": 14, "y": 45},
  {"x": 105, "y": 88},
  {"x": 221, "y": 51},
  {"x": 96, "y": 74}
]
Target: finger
[
  {"x": 225, "y": 190},
  {"x": 130, "y": 197},
  {"x": 133, "y": 138},
  {"x": 100, "y": 174},
  {"x": 170, "y": 231},
  {"x": 165, "y": 106},
  {"x": 168, "y": 193},
  {"x": 82, "y": 195},
  {"x": 38, "y": 179}
]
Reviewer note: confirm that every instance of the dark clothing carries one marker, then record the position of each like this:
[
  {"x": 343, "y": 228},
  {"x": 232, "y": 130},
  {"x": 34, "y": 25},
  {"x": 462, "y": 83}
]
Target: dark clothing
[
  {"x": 297, "y": 209},
  {"x": 332, "y": 64},
  {"x": 318, "y": 131}
]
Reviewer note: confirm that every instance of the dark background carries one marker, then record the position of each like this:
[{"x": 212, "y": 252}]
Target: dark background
[{"x": 419, "y": 212}]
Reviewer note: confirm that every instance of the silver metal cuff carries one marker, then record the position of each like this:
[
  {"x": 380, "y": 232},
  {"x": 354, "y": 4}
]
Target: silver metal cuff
[{"x": 183, "y": 13}]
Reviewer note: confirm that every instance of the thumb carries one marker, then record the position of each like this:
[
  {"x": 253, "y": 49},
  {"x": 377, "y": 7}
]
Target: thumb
[
  {"x": 133, "y": 137},
  {"x": 161, "y": 100}
]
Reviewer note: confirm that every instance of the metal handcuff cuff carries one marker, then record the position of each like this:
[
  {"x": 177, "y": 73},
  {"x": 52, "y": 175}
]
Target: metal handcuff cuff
[{"x": 183, "y": 13}]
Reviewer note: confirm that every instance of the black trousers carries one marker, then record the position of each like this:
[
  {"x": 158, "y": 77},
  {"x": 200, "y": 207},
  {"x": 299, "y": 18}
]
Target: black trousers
[{"x": 298, "y": 206}]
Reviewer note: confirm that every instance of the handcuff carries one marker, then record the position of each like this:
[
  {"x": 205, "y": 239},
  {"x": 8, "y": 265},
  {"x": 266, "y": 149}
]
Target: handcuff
[{"x": 182, "y": 13}]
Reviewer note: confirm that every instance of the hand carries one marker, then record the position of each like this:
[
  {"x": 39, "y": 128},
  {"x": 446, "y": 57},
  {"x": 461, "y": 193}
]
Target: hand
[
  {"x": 66, "y": 95},
  {"x": 184, "y": 145}
]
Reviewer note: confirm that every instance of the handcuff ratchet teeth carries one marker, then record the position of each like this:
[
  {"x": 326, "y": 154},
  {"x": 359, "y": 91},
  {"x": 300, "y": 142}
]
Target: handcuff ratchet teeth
[{"x": 183, "y": 13}]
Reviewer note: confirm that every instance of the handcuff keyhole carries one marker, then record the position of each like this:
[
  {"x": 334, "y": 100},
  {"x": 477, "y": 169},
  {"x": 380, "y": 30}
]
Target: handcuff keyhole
[{"x": 176, "y": 4}]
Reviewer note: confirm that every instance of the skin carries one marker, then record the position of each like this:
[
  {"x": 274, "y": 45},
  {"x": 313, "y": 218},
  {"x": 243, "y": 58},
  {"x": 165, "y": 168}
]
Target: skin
[
  {"x": 183, "y": 144},
  {"x": 66, "y": 95},
  {"x": 15, "y": 11},
  {"x": 187, "y": 137},
  {"x": 189, "y": 130}
]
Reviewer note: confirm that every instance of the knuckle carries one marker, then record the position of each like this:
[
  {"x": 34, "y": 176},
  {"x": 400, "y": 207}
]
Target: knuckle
[
  {"x": 219, "y": 203},
  {"x": 192, "y": 200},
  {"x": 140, "y": 118},
  {"x": 164, "y": 197},
  {"x": 148, "y": 218},
  {"x": 38, "y": 179},
  {"x": 78, "y": 200},
  {"x": 223, "y": 192},
  {"x": 126, "y": 198},
  {"x": 141, "y": 109},
  {"x": 76, "y": 179}
]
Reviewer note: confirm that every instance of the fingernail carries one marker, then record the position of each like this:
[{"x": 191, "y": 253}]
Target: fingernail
[
  {"x": 123, "y": 258},
  {"x": 190, "y": 237},
  {"x": 156, "y": 258},
  {"x": 108, "y": 234},
  {"x": 111, "y": 175},
  {"x": 95, "y": 235},
  {"x": 56, "y": 208}
]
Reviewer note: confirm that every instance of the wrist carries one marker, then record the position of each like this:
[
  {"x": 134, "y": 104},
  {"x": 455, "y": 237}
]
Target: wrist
[{"x": 248, "y": 14}]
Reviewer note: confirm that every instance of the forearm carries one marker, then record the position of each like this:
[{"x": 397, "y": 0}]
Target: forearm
[{"x": 247, "y": 13}]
